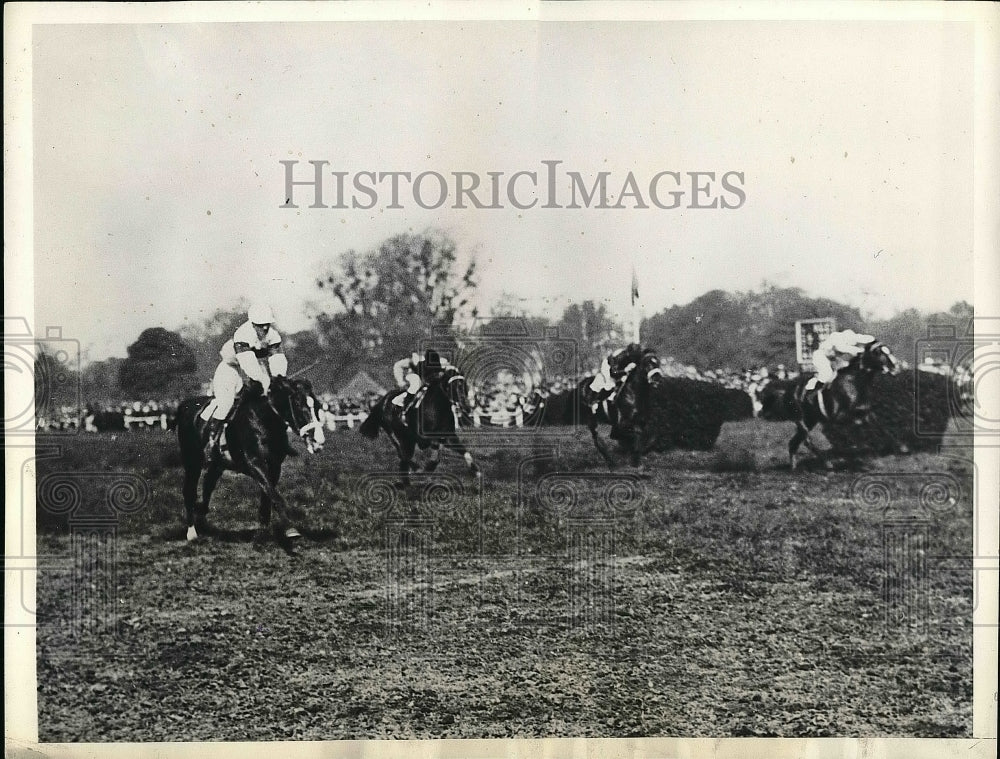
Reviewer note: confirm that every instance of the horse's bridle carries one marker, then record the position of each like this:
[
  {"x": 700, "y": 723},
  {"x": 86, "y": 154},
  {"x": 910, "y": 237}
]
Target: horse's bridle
[
  {"x": 879, "y": 347},
  {"x": 314, "y": 425},
  {"x": 656, "y": 371}
]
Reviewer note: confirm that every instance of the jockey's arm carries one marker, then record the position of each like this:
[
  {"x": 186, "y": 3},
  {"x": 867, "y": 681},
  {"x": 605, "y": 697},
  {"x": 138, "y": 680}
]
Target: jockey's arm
[
  {"x": 277, "y": 362},
  {"x": 247, "y": 360},
  {"x": 399, "y": 370}
]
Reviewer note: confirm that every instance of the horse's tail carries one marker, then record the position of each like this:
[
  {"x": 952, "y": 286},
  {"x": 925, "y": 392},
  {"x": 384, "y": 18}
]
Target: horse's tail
[{"x": 370, "y": 426}]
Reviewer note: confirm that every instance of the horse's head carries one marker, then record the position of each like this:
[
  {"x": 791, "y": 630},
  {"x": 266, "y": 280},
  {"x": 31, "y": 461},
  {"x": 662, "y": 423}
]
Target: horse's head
[
  {"x": 878, "y": 358},
  {"x": 649, "y": 367},
  {"x": 301, "y": 410},
  {"x": 452, "y": 381}
]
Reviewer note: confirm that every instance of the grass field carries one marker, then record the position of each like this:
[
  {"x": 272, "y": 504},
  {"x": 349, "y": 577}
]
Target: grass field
[{"x": 722, "y": 596}]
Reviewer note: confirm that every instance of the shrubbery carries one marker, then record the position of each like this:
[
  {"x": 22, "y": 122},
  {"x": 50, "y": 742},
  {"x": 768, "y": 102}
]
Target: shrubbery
[
  {"x": 686, "y": 413},
  {"x": 900, "y": 409},
  {"x": 689, "y": 414}
]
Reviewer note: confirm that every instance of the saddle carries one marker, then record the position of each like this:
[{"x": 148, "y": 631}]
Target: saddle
[{"x": 220, "y": 439}]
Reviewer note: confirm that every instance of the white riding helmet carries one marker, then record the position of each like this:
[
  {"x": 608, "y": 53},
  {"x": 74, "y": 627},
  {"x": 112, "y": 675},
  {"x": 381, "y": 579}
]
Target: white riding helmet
[{"x": 260, "y": 313}]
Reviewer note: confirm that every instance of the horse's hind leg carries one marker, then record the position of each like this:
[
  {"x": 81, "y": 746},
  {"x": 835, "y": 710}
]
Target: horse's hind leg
[{"x": 406, "y": 449}]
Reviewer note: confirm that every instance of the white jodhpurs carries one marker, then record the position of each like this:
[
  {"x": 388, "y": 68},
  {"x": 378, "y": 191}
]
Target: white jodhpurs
[
  {"x": 226, "y": 383},
  {"x": 824, "y": 369}
]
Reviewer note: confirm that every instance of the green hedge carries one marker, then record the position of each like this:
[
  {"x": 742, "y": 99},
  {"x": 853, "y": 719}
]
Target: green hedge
[
  {"x": 916, "y": 415},
  {"x": 686, "y": 413}
]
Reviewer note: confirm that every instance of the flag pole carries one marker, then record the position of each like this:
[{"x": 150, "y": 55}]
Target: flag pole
[{"x": 635, "y": 306}]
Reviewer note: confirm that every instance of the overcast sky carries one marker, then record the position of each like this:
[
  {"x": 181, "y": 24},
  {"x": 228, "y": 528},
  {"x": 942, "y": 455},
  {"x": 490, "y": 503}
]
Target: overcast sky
[{"x": 158, "y": 186}]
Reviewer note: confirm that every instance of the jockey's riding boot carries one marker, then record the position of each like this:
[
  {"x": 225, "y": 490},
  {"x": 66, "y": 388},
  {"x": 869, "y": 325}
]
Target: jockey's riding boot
[{"x": 213, "y": 429}]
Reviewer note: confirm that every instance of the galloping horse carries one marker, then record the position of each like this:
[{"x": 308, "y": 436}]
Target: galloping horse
[
  {"x": 257, "y": 444},
  {"x": 430, "y": 423},
  {"x": 844, "y": 400},
  {"x": 628, "y": 411}
]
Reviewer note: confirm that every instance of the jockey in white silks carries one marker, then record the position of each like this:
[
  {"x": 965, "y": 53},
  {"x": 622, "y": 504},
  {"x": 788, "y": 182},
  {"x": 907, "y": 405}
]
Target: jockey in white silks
[
  {"x": 834, "y": 352},
  {"x": 254, "y": 353},
  {"x": 613, "y": 369},
  {"x": 409, "y": 374}
]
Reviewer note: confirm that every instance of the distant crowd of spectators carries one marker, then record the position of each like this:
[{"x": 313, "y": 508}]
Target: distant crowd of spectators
[
  {"x": 502, "y": 402},
  {"x": 96, "y": 417}
]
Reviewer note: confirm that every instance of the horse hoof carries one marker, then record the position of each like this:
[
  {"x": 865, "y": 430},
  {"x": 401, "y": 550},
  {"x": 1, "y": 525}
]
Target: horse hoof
[
  {"x": 192, "y": 533},
  {"x": 292, "y": 533}
]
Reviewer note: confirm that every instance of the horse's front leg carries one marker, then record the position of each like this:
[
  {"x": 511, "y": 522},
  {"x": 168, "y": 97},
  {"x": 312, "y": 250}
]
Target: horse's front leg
[
  {"x": 406, "y": 448},
  {"x": 263, "y": 477},
  {"x": 454, "y": 444},
  {"x": 191, "y": 474},
  {"x": 873, "y": 420},
  {"x": 633, "y": 441},
  {"x": 801, "y": 433},
  {"x": 264, "y": 510},
  {"x": 602, "y": 448},
  {"x": 435, "y": 458}
]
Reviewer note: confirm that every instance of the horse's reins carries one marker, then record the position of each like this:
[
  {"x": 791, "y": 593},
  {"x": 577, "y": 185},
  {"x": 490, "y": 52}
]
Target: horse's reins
[
  {"x": 310, "y": 426},
  {"x": 314, "y": 423}
]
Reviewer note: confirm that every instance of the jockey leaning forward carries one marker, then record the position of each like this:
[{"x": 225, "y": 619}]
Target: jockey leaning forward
[
  {"x": 254, "y": 355},
  {"x": 834, "y": 352},
  {"x": 613, "y": 372},
  {"x": 413, "y": 373}
]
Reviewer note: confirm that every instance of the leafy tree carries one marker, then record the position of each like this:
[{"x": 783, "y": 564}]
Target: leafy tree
[
  {"x": 384, "y": 301},
  {"x": 159, "y": 364},
  {"x": 721, "y": 330},
  {"x": 206, "y": 338},
  {"x": 596, "y": 333},
  {"x": 99, "y": 381},
  {"x": 57, "y": 382}
]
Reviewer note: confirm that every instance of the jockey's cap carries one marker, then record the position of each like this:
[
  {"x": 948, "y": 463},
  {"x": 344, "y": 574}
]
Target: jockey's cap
[{"x": 260, "y": 313}]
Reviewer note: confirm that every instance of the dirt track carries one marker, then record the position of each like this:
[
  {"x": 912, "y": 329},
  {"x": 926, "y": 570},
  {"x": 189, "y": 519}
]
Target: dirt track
[{"x": 700, "y": 603}]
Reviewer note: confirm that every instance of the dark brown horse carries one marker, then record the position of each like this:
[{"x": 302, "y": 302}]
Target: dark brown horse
[
  {"x": 256, "y": 445},
  {"x": 628, "y": 412},
  {"x": 845, "y": 400},
  {"x": 431, "y": 423}
]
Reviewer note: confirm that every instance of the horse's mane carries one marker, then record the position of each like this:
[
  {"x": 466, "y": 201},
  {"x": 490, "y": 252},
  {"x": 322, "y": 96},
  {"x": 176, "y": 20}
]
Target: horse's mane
[{"x": 855, "y": 361}]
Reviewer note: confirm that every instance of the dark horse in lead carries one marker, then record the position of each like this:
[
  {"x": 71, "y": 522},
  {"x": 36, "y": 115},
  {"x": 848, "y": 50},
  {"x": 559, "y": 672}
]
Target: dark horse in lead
[
  {"x": 629, "y": 410},
  {"x": 429, "y": 423},
  {"x": 845, "y": 400},
  {"x": 256, "y": 445}
]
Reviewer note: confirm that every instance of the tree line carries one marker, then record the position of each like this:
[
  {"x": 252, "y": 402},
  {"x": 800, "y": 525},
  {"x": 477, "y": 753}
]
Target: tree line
[{"x": 370, "y": 308}]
